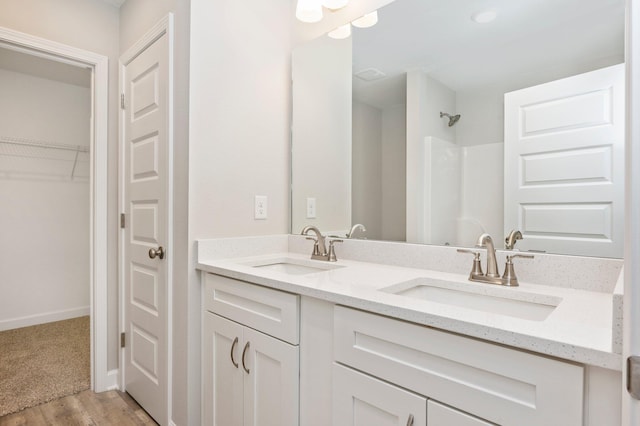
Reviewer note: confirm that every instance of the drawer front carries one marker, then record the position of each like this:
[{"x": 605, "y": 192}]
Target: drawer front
[
  {"x": 441, "y": 415},
  {"x": 504, "y": 386},
  {"x": 272, "y": 312}
]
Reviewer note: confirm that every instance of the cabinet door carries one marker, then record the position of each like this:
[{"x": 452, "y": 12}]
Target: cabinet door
[
  {"x": 271, "y": 369},
  {"x": 222, "y": 393},
  {"x": 362, "y": 400},
  {"x": 441, "y": 415}
]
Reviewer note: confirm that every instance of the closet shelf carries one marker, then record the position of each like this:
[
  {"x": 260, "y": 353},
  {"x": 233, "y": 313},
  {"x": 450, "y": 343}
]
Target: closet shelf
[
  {"x": 21, "y": 157},
  {"x": 42, "y": 144}
]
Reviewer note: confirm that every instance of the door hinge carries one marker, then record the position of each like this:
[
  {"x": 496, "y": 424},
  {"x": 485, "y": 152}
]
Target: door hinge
[
  {"x": 122, "y": 339},
  {"x": 633, "y": 376},
  {"x": 122, "y": 220},
  {"x": 122, "y": 100}
]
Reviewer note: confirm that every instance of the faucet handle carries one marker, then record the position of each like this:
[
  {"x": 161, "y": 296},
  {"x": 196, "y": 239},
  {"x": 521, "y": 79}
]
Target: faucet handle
[
  {"x": 509, "y": 276},
  {"x": 476, "y": 270},
  {"x": 316, "y": 248},
  {"x": 332, "y": 250}
]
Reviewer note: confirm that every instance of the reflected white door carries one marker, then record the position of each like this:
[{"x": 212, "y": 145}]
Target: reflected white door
[
  {"x": 146, "y": 208},
  {"x": 564, "y": 164}
]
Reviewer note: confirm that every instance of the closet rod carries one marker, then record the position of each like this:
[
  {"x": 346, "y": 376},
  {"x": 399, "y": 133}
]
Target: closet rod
[{"x": 39, "y": 144}]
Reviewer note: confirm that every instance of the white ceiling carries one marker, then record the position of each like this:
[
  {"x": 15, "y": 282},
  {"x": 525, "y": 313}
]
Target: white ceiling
[
  {"x": 12, "y": 60},
  {"x": 116, "y": 3},
  {"x": 530, "y": 42}
]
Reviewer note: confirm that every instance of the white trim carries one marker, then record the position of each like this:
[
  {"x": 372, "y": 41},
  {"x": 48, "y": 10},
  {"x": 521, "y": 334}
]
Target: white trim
[
  {"x": 631, "y": 305},
  {"x": 164, "y": 26},
  {"x": 43, "y": 318},
  {"x": 98, "y": 194}
]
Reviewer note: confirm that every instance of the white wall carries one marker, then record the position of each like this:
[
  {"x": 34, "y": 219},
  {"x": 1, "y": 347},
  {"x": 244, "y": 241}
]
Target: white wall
[
  {"x": 321, "y": 133},
  {"x": 239, "y": 110},
  {"x": 42, "y": 109},
  {"x": 482, "y": 193},
  {"x": 426, "y": 98},
  {"x": 91, "y": 25},
  {"x": 44, "y": 250},
  {"x": 481, "y": 117},
  {"x": 367, "y": 169},
  {"x": 394, "y": 172}
]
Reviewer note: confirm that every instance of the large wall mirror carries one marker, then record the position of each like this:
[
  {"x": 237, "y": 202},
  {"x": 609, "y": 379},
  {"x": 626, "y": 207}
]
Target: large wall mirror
[{"x": 434, "y": 126}]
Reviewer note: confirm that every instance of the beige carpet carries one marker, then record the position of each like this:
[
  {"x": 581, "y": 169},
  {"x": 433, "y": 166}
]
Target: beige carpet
[{"x": 43, "y": 362}]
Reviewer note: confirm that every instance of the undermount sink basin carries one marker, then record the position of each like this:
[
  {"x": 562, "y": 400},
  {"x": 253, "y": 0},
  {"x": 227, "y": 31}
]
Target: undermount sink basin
[
  {"x": 502, "y": 301},
  {"x": 293, "y": 266}
]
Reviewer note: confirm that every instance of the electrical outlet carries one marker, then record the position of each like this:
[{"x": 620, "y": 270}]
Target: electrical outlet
[
  {"x": 311, "y": 208},
  {"x": 260, "y": 207}
]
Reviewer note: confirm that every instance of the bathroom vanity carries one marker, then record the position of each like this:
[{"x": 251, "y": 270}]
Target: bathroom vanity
[{"x": 395, "y": 334}]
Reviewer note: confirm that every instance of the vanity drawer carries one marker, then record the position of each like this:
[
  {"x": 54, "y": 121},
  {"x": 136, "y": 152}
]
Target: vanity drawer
[
  {"x": 272, "y": 312},
  {"x": 496, "y": 383}
]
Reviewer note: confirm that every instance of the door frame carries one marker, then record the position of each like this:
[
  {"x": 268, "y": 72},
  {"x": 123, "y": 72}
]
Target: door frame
[
  {"x": 101, "y": 379},
  {"x": 162, "y": 27},
  {"x": 631, "y": 306}
]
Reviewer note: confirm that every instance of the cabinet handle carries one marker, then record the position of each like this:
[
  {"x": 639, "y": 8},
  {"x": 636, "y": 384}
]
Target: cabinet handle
[
  {"x": 410, "y": 420},
  {"x": 233, "y": 345},
  {"x": 244, "y": 352}
]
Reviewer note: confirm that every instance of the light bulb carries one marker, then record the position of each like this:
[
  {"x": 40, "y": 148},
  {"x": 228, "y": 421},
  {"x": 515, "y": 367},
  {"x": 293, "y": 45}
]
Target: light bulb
[
  {"x": 366, "y": 21},
  {"x": 334, "y": 4},
  {"x": 343, "y": 31},
  {"x": 309, "y": 11}
]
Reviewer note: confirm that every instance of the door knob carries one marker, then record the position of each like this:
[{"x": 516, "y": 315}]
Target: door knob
[{"x": 156, "y": 252}]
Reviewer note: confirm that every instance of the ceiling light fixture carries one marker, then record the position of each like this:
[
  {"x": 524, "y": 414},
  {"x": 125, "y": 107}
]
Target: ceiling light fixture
[
  {"x": 309, "y": 11},
  {"x": 343, "y": 31},
  {"x": 484, "y": 16},
  {"x": 366, "y": 21},
  {"x": 334, "y": 4}
]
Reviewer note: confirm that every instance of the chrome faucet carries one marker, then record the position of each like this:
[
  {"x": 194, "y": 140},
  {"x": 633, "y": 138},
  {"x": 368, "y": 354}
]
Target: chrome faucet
[
  {"x": 492, "y": 276},
  {"x": 511, "y": 239},
  {"x": 485, "y": 241},
  {"x": 354, "y": 228},
  {"x": 319, "y": 247}
]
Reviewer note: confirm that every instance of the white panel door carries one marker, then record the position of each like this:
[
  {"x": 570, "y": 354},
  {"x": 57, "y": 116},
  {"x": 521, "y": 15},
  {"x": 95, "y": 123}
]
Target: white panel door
[
  {"x": 362, "y": 400},
  {"x": 146, "y": 189},
  {"x": 271, "y": 380},
  {"x": 222, "y": 375},
  {"x": 564, "y": 164}
]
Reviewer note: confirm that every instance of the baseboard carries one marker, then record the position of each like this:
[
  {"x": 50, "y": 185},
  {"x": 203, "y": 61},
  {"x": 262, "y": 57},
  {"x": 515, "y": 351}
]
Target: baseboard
[{"x": 46, "y": 317}]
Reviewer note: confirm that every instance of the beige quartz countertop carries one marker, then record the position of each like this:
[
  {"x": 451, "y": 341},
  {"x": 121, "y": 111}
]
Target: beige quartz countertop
[{"x": 579, "y": 329}]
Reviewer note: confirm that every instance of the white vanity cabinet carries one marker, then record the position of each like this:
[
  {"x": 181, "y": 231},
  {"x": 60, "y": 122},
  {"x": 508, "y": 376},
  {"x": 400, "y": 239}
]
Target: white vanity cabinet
[
  {"x": 362, "y": 400},
  {"x": 250, "y": 354},
  {"x": 455, "y": 375}
]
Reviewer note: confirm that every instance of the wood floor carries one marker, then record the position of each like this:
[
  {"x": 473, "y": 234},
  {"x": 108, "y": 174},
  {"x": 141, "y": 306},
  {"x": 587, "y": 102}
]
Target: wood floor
[{"x": 85, "y": 408}]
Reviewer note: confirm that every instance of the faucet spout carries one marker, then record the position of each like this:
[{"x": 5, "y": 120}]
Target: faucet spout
[
  {"x": 354, "y": 228},
  {"x": 485, "y": 241},
  {"x": 322, "y": 248}
]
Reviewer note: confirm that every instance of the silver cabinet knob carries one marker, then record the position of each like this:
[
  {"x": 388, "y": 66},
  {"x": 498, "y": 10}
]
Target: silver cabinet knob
[{"x": 159, "y": 252}]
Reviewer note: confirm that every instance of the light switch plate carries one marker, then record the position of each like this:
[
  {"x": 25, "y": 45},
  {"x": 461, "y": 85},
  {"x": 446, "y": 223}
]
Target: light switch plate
[
  {"x": 260, "y": 207},
  {"x": 311, "y": 208}
]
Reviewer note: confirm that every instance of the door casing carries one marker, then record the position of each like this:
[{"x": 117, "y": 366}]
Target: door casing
[{"x": 101, "y": 378}]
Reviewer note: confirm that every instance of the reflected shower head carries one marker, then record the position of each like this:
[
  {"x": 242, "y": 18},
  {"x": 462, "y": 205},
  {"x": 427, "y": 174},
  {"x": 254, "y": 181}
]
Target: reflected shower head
[{"x": 453, "y": 119}]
